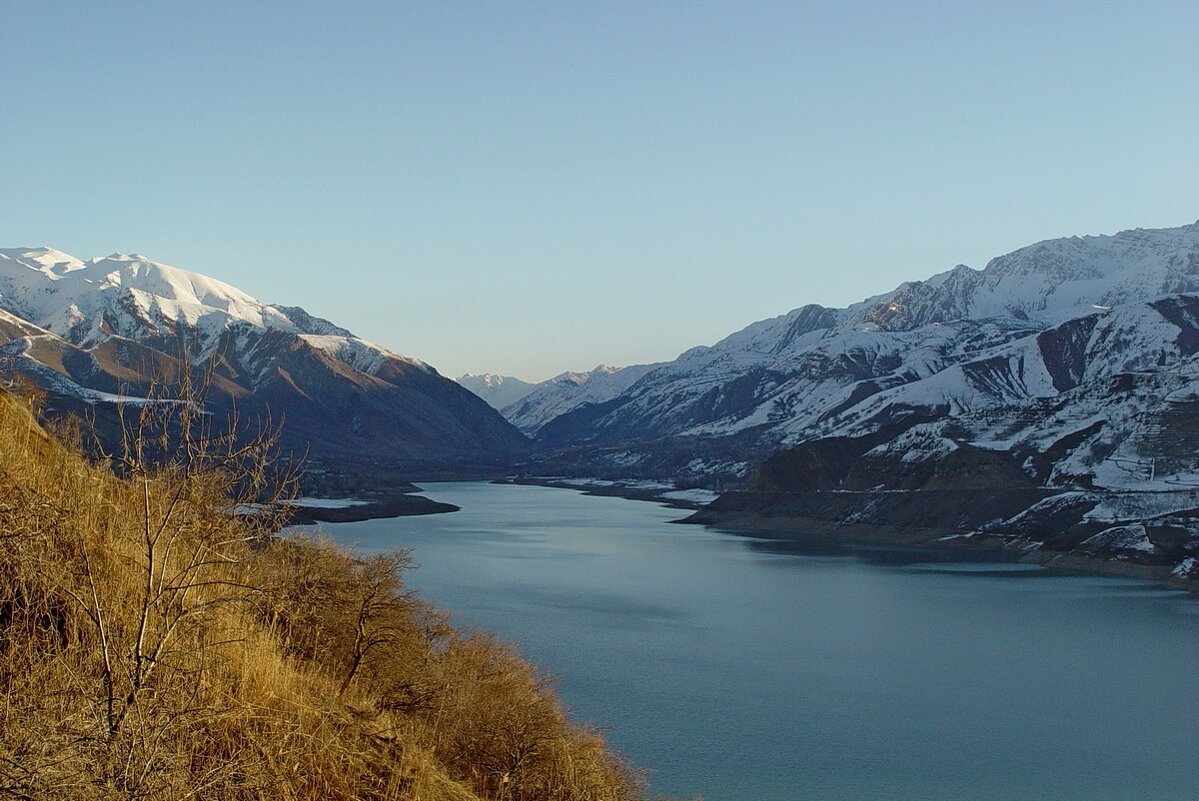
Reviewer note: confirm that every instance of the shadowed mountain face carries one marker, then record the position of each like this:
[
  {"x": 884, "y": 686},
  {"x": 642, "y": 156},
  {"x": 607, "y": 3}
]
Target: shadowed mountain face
[{"x": 94, "y": 333}]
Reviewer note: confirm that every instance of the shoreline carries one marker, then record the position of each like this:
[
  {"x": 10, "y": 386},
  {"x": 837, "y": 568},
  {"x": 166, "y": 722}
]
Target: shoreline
[
  {"x": 639, "y": 490},
  {"x": 875, "y": 535},
  {"x": 917, "y": 538}
]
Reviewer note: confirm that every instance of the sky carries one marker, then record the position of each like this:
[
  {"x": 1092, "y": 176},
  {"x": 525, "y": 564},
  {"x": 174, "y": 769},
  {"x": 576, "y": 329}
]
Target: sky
[{"x": 527, "y": 188}]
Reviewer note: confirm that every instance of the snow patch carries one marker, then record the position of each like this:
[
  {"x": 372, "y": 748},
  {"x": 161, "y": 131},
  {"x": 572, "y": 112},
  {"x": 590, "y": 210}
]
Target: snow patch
[
  {"x": 1122, "y": 538},
  {"x": 700, "y": 496},
  {"x": 329, "y": 503}
]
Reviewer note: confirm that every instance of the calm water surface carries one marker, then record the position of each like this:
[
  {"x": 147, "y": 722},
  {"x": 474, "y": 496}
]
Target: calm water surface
[{"x": 748, "y": 670}]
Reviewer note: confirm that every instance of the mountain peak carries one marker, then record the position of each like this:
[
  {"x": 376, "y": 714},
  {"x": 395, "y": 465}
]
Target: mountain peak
[
  {"x": 498, "y": 390},
  {"x": 1047, "y": 282},
  {"x": 131, "y": 296},
  {"x": 42, "y": 259}
]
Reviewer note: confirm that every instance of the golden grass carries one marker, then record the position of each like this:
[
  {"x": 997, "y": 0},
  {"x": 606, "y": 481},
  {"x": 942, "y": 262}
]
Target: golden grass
[{"x": 156, "y": 646}]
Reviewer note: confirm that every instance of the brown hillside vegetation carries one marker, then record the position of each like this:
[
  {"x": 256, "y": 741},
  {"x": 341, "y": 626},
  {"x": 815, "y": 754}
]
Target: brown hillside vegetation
[{"x": 157, "y": 646}]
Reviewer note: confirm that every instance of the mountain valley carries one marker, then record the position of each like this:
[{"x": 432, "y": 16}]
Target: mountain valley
[{"x": 1047, "y": 405}]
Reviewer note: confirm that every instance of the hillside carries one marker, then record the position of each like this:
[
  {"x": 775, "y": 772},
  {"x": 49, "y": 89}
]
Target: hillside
[
  {"x": 92, "y": 333},
  {"x": 159, "y": 646}
]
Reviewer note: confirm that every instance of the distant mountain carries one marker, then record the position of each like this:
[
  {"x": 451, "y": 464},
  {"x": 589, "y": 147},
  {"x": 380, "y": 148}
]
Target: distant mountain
[
  {"x": 498, "y": 390},
  {"x": 94, "y": 332},
  {"x": 568, "y": 391}
]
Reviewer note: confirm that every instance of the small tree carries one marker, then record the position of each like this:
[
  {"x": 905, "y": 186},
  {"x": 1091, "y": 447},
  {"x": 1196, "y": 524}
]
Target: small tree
[{"x": 195, "y": 499}]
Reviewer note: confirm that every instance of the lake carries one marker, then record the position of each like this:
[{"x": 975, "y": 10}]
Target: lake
[{"x": 745, "y": 669}]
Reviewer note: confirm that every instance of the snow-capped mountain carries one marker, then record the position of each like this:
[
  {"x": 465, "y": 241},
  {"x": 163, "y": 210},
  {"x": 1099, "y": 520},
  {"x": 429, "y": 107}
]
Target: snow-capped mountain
[
  {"x": 931, "y": 344},
  {"x": 498, "y": 390},
  {"x": 1070, "y": 366},
  {"x": 132, "y": 297},
  {"x": 93, "y": 331}
]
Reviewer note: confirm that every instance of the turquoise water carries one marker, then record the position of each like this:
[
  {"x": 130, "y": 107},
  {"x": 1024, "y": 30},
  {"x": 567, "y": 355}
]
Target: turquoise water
[{"x": 743, "y": 669}]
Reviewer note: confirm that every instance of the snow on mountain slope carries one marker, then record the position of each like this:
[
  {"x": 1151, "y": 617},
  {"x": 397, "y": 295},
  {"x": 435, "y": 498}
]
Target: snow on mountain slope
[
  {"x": 1028, "y": 328},
  {"x": 498, "y": 390},
  {"x": 1132, "y": 340},
  {"x": 132, "y": 295},
  {"x": 12, "y": 326},
  {"x": 1048, "y": 282},
  {"x": 86, "y": 302},
  {"x": 93, "y": 332},
  {"x": 357, "y": 353},
  {"x": 310, "y": 324}
]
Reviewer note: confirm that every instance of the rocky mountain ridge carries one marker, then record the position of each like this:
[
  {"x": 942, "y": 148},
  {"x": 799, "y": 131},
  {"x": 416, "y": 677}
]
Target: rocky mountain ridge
[{"x": 1031, "y": 325}]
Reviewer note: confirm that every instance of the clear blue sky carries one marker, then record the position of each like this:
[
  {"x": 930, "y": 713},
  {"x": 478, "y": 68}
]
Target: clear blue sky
[{"x": 532, "y": 187}]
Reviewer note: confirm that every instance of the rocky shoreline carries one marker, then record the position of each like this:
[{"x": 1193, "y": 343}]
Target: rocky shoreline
[{"x": 1008, "y": 524}]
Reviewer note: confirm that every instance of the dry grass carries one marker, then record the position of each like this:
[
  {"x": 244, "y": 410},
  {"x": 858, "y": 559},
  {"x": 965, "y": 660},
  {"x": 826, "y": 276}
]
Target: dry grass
[{"x": 156, "y": 646}]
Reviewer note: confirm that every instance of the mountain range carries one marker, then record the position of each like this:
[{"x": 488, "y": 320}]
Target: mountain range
[
  {"x": 1064, "y": 374},
  {"x": 1033, "y": 325},
  {"x": 94, "y": 334}
]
